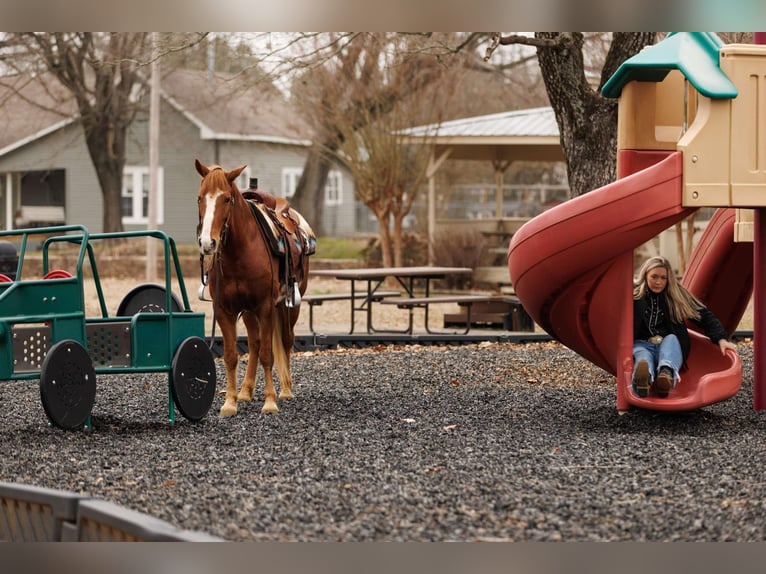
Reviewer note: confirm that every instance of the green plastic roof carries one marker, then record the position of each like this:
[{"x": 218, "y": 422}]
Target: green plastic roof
[{"x": 694, "y": 54}]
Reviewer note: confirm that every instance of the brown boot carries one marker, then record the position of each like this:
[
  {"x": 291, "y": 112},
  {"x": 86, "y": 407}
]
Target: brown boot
[
  {"x": 664, "y": 382},
  {"x": 641, "y": 379}
]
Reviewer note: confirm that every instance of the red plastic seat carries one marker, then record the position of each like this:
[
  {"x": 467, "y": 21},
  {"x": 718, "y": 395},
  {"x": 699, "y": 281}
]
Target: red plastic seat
[{"x": 58, "y": 274}]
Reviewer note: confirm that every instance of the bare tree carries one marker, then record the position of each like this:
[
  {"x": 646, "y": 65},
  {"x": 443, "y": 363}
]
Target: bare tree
[
  {"x": 387, "y": 173},
  {"x": 100, "y": 72},
  {"x": 355, "y": 79},
  {"x": 104, "y": 75},
  {"x": 587, "y": 120}
]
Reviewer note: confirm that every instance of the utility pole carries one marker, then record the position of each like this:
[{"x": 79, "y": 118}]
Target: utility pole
[{"x": 154, "y": 141}]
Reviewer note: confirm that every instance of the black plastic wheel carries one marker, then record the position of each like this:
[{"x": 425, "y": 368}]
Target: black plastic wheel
[
  {"x": 67, "y": 384},
  {"x": 192, "y": 378},
  {"x": 147, "y": 298}
]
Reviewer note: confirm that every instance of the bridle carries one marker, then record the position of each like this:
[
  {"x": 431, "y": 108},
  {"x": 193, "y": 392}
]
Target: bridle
[
  {"x": 216, "y": 255},
  {"x": 225, "y": 228}
]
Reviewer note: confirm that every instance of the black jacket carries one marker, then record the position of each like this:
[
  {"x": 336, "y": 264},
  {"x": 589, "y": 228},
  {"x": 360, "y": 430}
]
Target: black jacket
[{"x": 709, "y": 323}]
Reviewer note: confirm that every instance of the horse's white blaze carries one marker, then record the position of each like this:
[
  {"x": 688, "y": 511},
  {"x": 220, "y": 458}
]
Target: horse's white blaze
[{"x": 205, "y": 240}]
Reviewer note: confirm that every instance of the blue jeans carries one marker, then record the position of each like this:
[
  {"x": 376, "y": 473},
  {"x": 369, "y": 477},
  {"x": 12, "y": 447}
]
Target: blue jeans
[{"x": 666, "y": 354}]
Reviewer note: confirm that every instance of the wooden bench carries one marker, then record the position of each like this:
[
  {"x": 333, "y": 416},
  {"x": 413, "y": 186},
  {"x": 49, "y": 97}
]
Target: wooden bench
[
  {"x": 317, "y": 300},
  {"x": 424, "y": 302},
  {"x": 505, "y": 311},
  {"x": 40, "y": 216},
  {"x": 501, "y": 311}
]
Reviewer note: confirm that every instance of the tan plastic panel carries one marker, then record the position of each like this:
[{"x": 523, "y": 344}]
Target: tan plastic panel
[
  {"x": 651, "y": 114},
  {"x": 745, "y": 65},
  {"x": 705, "y": 147}
]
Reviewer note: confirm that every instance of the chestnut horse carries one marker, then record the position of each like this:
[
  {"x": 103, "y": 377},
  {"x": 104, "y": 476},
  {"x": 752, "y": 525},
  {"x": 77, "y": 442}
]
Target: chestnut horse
[{"x": 246, "y": 279}]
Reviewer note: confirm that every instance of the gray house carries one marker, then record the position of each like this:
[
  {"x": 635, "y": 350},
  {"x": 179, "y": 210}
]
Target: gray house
[{"x": 46, "y": 175}]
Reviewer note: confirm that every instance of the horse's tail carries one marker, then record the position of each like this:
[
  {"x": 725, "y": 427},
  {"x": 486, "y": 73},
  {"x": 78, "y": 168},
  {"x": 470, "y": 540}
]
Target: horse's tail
[{"x": 281, "y": 354}]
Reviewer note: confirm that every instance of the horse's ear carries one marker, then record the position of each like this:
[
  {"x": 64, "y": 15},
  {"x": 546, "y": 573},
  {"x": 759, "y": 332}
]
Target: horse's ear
[
  {"x": 234, "y": 174},
  {"x": 201, "y": 169}
]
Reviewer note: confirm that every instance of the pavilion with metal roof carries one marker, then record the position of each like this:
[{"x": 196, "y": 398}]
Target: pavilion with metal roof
[{"x": 501, "y": 138}]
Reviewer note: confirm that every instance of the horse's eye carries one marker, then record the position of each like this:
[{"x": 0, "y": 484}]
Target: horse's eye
[
  {"x": 226, "y": 199},
  {"x": 199, "y": 200}
]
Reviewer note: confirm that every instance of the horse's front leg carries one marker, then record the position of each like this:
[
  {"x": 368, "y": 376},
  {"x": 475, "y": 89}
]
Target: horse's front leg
[
  {"x": 247, "y": 390},
  {"x": 228, "y": 325}
]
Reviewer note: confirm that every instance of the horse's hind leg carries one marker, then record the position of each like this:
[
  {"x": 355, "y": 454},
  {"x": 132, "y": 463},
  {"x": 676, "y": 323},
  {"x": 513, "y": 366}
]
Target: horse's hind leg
[
  {"x": 247, "y": 390},
  {"x": 228, "y": 327},
  {"x": 266, "y": 356},
  {"x": 283, "y": 341}
]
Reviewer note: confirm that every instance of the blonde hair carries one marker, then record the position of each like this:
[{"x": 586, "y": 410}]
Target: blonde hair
[{"x": 681, "y": 303}]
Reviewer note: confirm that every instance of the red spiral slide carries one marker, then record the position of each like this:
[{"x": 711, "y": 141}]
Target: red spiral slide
[{"x": 572, "y": 269}]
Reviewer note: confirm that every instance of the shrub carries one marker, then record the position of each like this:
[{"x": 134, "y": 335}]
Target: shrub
[
  {"x": 414, "y": 252},
  {"x": 462, "y": 249}
]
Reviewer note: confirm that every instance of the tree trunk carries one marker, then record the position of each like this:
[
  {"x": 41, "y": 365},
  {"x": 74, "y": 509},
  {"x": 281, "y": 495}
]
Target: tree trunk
[
  {"x": 309, "y": 194},
  {"x": 587, "y": 121},
  {"x": 397, "y": 240},
  {"x": 386, "y": 252},
  {"x": 106, "y": 147}
]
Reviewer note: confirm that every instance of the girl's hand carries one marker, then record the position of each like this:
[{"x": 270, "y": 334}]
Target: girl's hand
[{"x": 724, "y": 344}]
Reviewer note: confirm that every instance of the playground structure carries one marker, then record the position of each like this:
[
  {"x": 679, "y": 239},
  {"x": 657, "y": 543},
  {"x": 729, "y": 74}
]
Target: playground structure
[
  {"x": 45, "y": 334},
  {"x": 688, "y": 137}
]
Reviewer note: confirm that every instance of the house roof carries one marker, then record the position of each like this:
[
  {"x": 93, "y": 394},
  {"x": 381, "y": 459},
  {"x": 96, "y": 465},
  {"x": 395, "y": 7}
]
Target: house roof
[
  {"x": 529, "y": 122},
  {"x": 22, "y": 119},
  {"x": 223, "y": 106},
  {"x": 530, "y": 134},
  {"x": 215, "y": 104}
]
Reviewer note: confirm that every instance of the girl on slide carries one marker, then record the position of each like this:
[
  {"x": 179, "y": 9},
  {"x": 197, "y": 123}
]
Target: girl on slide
[{"x": 661, "y": 305}]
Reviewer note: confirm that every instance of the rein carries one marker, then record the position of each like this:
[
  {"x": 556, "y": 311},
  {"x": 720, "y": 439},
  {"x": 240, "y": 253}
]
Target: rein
[
  {"x": 218, "y": 271},
  {"x": 204, "y": 281}
]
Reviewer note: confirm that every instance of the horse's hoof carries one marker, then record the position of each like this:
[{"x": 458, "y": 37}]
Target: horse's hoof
[
  {"x": 245, "y": 398},
  {"x": 228, "y": 410},
  {"x": 270, "y": 407},
  {"x": 286, "y": 394}
]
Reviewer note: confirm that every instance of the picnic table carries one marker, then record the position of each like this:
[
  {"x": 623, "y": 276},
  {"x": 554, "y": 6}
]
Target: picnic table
[{"x": 373, "y": 278}]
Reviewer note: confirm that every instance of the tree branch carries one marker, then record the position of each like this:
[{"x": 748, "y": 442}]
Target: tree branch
[{"x": 496, "y": 39}]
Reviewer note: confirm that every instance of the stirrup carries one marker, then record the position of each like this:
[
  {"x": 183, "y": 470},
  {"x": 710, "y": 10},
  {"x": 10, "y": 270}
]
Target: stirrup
[{"x": 293, "y": 296}]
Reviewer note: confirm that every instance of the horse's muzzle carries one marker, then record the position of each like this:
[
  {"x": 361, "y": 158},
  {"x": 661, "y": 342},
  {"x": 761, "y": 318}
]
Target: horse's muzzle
[{"x": 207, "y": 246}]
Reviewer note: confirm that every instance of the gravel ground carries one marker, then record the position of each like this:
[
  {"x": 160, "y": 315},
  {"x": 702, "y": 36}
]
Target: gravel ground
[{"x": 495, "y": 441}]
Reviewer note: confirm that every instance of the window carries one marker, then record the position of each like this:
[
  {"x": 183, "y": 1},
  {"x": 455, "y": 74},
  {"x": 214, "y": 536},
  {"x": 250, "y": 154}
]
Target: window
[
  {"x": 333, "y": 190},
  {"x": 290, "y": 178},
  {"x": 135, "y": 195}
]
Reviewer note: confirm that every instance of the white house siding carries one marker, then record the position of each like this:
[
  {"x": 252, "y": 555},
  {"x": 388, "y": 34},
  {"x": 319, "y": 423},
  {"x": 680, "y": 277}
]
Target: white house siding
[
  {"x": 180, "y": 145},
  {"x": 264, "y": 161},
  {"x": 64, "y": 149},
  {"x": 341, "y": 220}
]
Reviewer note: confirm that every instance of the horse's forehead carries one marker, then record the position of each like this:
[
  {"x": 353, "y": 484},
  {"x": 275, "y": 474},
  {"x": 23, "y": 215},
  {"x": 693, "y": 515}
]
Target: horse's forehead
[{"x": 214, "y": 183}]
